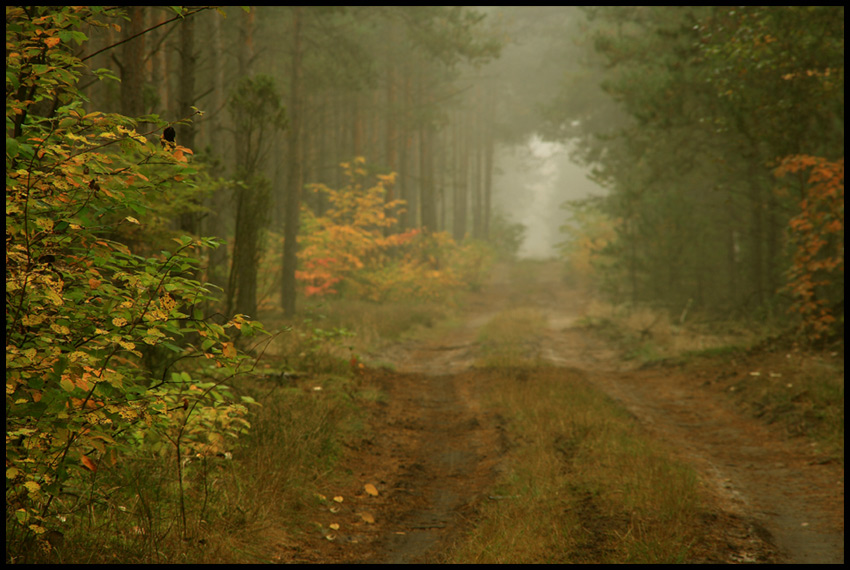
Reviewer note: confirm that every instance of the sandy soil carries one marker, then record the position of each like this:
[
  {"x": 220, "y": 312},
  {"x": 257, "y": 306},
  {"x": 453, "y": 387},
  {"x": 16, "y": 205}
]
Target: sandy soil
[{"x": 431, "y": 452}]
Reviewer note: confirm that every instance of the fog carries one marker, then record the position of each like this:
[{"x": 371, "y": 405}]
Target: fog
[
  {"x": 530, "y": 186},
  {"x": 534, "y": 174}
]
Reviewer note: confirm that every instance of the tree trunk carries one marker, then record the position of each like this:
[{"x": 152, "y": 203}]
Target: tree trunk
[
  {"x": 427, "y": 194},
  {"x": 242, "y": 281},
  {"x": 189, "y": 221},
  {"x": 489, "y": 151},
  {"x": 251, "y": 204},
  {"x": 215, "y": 222},
  {"x": 477, "y": 179},
  {"x": 756, "y": 239},
  {"x": 461, "y": 202},
  {"x": 132, "y": 65},
  {"x": 293, "y": 190}
]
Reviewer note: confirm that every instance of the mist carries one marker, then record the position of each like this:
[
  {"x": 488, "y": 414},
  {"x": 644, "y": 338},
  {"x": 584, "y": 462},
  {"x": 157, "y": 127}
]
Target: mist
[{"x": 530, "y": 187}]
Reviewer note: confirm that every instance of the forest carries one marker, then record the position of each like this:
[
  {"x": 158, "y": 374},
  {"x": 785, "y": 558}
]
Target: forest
[{"x": 187, "y": 187}]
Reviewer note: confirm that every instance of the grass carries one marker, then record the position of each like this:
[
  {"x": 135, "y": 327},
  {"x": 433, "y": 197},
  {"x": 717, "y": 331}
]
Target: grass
[
  {"x": 651, "y": 336},
  {"x": 580, "y": 481},
  {"x": 373, "y": 322},
  {"x": 511, "y": 339}
]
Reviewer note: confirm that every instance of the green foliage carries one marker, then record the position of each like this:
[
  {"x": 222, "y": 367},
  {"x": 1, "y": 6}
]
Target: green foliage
[
  {"x": 451, "y": 34},
  {"x": 256, "y": 109},
  {"x": 94, "y": 283},
  {"x": 589, "y": 234},
  {"x": 713, "y": 100}
]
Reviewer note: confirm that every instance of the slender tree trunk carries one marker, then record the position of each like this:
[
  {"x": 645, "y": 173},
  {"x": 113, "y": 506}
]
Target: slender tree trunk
[
  {"x": 132, "y": 65},
  {"x": 457, "y": 174},
  {"x": 489, "y": 151},
  {"x": 293, "y": 190},
  {"x": 390, "y": 136},
  {"x": 407, "y": 219},
  {"x": 756, "y": 239},
  {"x": 477, "y": 179},
  {"x": 215, "y": 222},
  {"x": 242, "y": 282},
  {"x": 189, "y": 221},
  {"x": 427, "y": 198}
]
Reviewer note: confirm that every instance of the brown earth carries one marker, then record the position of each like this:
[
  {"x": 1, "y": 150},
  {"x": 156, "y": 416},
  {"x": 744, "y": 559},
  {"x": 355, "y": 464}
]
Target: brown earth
[{"x": 432, "y": 451}]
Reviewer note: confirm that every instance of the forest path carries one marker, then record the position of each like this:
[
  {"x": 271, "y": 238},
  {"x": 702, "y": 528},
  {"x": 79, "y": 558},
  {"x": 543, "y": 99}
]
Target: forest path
[{"x": 433, "y": 450}]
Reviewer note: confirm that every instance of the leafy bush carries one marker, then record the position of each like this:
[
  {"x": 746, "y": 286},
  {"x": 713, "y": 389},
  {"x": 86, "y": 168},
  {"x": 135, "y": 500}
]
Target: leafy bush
[
  {"x": 347, "y": 250},
  {"x": 816, "y": 276},
  {"x": 90, "y": 295}
]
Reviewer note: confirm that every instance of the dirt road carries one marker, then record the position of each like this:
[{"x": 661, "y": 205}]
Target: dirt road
[{"x": 432, "y": 452}]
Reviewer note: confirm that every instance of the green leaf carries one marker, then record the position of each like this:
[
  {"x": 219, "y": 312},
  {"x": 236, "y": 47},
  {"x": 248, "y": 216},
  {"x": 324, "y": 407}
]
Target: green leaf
[{"x": 66, "y": 384}]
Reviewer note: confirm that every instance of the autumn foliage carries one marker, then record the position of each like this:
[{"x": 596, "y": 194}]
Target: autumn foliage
[
  {"x": 816, "y": 233},
  {"x": 351, "y": 250}
]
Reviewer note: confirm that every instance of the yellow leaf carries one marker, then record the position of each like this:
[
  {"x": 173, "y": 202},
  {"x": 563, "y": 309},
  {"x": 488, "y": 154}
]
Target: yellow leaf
[
  {"x": 367, "y": 517},
  {"x": 60, "y": 329},
  {"x": 338, "y": 499},
  {"x": 371, "y": 490}
]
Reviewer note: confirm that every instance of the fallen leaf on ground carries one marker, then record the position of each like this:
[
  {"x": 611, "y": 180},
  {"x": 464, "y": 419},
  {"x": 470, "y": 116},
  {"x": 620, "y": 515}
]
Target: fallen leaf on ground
[{"x": 371, "y": 490}]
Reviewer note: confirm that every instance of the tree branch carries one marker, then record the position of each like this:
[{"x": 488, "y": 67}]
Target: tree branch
[{"x": 143, "y": 32}]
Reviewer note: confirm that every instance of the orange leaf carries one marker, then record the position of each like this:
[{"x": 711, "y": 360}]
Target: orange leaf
[
  {"x": 228, "y": 349},
  {"x": 88, "y": 464}
]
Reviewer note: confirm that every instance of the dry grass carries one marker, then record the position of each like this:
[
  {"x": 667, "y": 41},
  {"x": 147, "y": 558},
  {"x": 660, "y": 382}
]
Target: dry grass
[
  {"x": 580, "y": 481},
  {"x": 649, "y": 334},
  {"x": 512, "y": 339}
]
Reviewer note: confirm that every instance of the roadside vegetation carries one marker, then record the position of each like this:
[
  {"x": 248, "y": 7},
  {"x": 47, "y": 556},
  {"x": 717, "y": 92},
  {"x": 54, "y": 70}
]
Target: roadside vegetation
[{"x": 768, "y": 373}]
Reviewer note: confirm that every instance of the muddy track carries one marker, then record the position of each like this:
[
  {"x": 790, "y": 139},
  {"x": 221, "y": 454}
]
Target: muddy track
[
  {"x": 432, "y": 453},
  {"x": 443, "y": 452}
]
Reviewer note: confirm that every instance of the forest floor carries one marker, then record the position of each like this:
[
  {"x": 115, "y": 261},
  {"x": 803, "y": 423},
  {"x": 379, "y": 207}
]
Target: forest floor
[{"x": 434, "y": 447}]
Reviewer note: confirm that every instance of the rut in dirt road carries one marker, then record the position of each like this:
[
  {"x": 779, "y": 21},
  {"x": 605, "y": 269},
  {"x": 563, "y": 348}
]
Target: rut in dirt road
[{"x": 443, "y": 452}]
